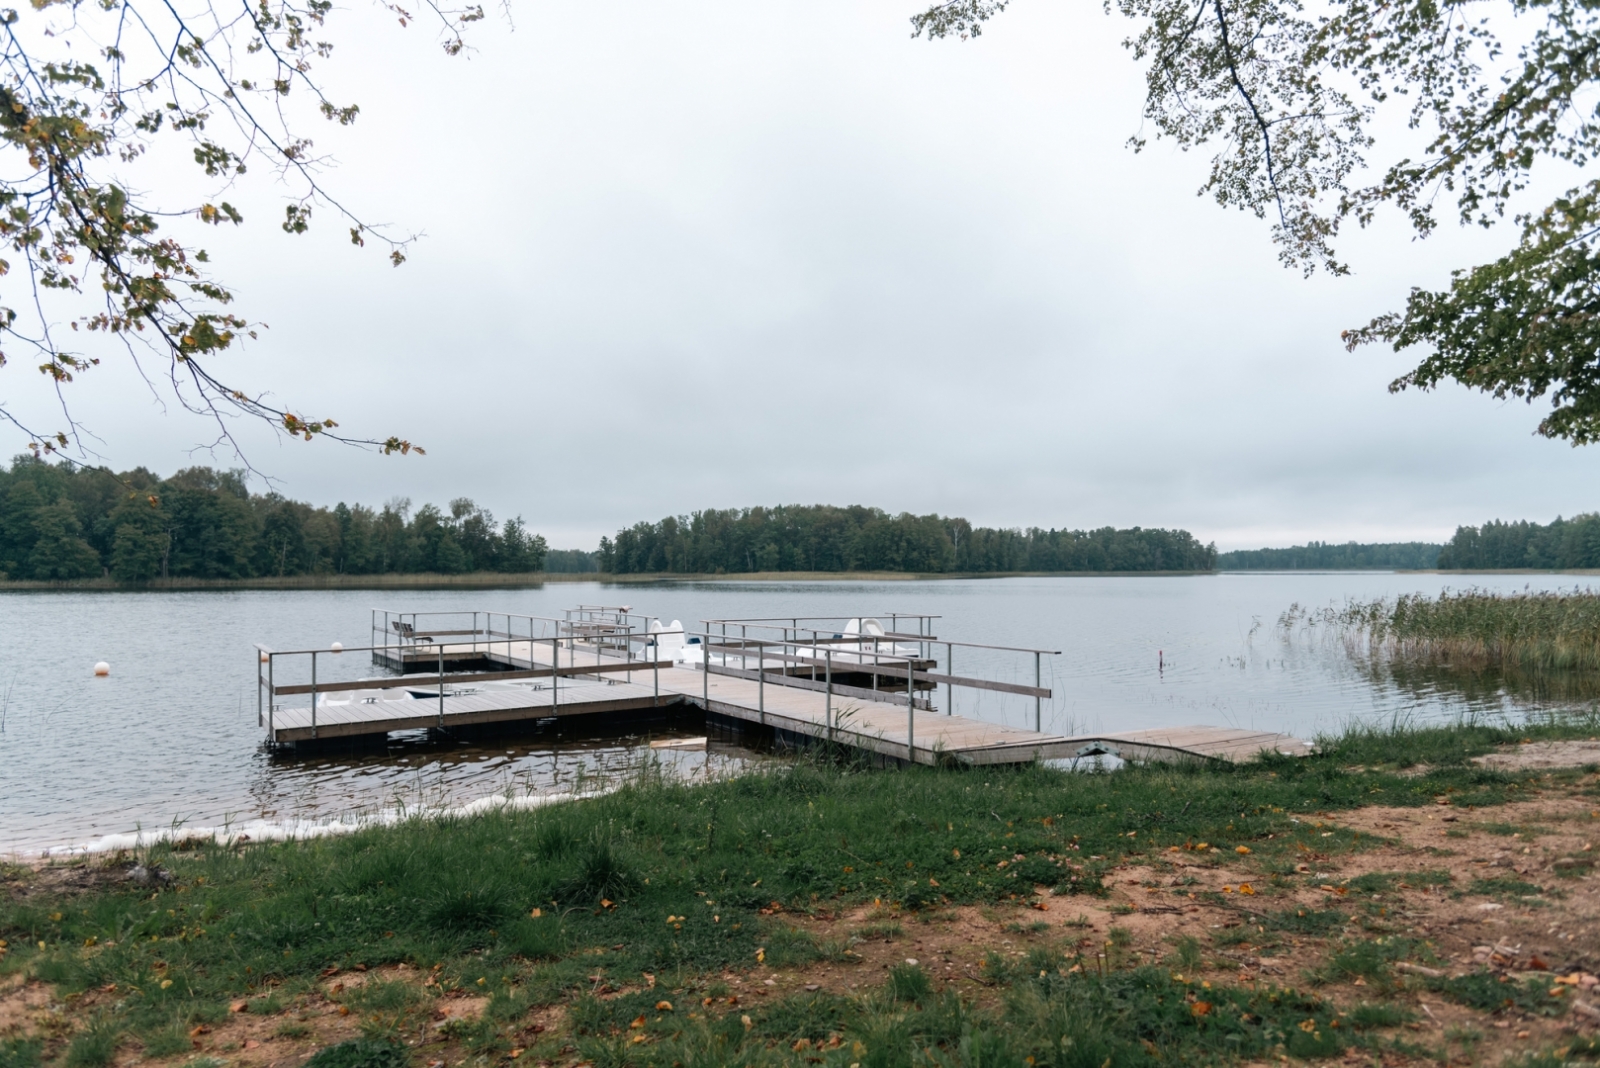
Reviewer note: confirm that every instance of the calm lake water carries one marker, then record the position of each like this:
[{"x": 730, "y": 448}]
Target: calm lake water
[{"x": 171, "y": 737}]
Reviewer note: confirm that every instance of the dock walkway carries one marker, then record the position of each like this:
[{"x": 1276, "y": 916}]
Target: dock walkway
[{"x": 596, "y": 682}]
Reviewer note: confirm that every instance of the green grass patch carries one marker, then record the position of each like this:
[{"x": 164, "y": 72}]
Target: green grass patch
[
  {"x": 1371, "y": 960},
  {"x": 360, "y": 1053},
  {"x": 1379, "y": 882},
  {"x": 1488, "y": 992},
  {"x": 1369, "y": 1016},
  {"x": 1306, "y": 921},
  {"x": 1141, "y": 1017},
  {"x": 93, "y": 1047},
  {"x": 19, "y": 1052},
  {"x": 1506, "y": 888},
  {"x": 1510, "y": 830}
]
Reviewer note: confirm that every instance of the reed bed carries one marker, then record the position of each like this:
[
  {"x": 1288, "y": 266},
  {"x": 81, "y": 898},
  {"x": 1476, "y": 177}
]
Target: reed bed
[{"x": 1538, "y": 634}]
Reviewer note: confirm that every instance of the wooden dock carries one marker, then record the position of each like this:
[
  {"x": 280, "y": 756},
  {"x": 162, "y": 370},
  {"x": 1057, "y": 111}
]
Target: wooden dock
[{"x": 596, "y": 682}]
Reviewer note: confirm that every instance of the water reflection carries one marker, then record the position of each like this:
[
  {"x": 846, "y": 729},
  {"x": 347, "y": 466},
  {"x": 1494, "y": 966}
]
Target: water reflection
[{"x": 421, "y": 770}]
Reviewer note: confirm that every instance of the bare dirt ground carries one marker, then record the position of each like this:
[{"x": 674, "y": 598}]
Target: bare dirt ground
[{"x": 1543, "y": 756}]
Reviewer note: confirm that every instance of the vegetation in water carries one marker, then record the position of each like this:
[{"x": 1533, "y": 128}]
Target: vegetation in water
[{"x": 1533, "y": 636}]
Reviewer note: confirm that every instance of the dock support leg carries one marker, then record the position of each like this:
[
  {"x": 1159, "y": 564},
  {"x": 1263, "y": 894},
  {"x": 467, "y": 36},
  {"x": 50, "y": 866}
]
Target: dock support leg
[
  {"x": 950, "y": 669},
  {"x": 827, "y": 716},
  {"x": 313, "y": 695},
  {"x": 911, "y": 711}
]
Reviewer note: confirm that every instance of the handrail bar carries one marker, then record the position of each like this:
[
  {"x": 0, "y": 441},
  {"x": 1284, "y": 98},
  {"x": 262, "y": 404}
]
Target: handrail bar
[
  {"x": 475, "y": 676},
  {"x": 442, "y": 645},
  {"x": 889, "y": 669},
  {"x": 849, "y": 638},
  {"x": 779, "y": 619}
]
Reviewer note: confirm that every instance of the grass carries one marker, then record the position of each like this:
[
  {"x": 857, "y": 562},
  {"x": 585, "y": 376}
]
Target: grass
[
  {"x": 1371, "y": 960},
  {"x": 1138, "y": 1016},
  {"x": 1488, "y": 992},
  {"x": 679, "y": 881},
  {"x": 17, "y": 1052},
  {"x": 1506, "y": 888},
  {"x": 360, "y": 1053}
]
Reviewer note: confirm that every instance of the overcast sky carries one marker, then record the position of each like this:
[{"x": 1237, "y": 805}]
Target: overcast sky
[{"x": 727, "y": 253}]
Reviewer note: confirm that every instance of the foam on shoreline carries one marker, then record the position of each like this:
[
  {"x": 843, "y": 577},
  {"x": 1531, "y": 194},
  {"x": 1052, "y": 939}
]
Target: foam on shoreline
[{"x": 283, "y": 830}]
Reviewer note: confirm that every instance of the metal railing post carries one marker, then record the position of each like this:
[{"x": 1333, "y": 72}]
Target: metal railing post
[
  {"x": 827, "y": 715},
  {"x": 555, "y": 673},
  {"x": 761, "y": 683},
  {"x": 313, "y": 694},
  {"x": 1038, "y": 702},
  {"x": 258, "y": 688},
  {"x": 705, "y": 667},
  {"x": 911, "y": 711},
  {"x": 877, "y": 662},
  {"x": 271, "y": 695},
  {"x": 950, "y": 669},
  {"x": 441, "y": 685}
]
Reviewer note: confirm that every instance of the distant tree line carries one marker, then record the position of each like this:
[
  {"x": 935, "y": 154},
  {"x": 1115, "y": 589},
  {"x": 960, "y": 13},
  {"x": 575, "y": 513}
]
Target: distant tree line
[
  {"x": 1563, "y": 544},
  {"x": 59, "y": 522},
  {"x": 1326, "y": 556},
  {"x": 571, "y": 562},
  {"x": 857, "y": 538}
]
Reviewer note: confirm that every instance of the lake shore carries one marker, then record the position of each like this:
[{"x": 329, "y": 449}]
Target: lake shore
[
  {"x": 1423, "y": 892},
  {"x": 497, "y": 580},
  {"x": 500, "y": 580}
]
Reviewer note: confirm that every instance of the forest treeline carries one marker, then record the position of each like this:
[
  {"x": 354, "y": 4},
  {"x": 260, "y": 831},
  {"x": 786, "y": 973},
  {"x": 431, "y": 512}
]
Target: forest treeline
[
  {"x": 59, "y": 522},
  {"x": 857, "y": 538},
  {"x": 1561, "y": 545},
  {"x": 1327, "y": 556}
]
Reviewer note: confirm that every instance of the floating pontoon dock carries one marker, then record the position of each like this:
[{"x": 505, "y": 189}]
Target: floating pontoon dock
[{"x": 854, "y": 683}]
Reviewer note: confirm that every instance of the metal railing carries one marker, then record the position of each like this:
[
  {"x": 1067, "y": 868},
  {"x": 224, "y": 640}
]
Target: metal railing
[
  {"x": 805, "y": 646},
  {"x": 576, "y": 638},
  {"x": 843, "y": 656}
]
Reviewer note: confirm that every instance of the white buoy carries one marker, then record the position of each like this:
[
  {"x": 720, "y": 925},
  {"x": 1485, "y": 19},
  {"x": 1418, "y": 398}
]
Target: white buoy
[
  {"x": 338, "y": 647},
  {"x": 102, "y": 669}
]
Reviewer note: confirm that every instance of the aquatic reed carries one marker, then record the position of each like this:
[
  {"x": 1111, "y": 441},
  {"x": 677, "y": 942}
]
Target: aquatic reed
[{"x": 1541, "y": 633}]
